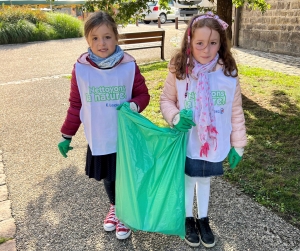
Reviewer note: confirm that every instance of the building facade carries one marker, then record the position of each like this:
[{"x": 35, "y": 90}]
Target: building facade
[{"x": 276, "y": 31}]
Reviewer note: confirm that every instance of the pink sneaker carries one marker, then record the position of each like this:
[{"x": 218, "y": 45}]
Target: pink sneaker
[
  {"x": 111, "y": 220},
  {"x": 122, "y": 232}
]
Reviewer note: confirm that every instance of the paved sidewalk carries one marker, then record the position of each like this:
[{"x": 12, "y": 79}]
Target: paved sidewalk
[
  {"x": 47, "y": 202},
  {"x": 269, "y": 61}
]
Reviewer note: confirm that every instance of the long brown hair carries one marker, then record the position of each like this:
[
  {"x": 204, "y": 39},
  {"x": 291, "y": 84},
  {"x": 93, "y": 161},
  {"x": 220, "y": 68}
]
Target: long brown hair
[
  {"x": 179, "y": 60},
  {"x": 98, "y": 18}
]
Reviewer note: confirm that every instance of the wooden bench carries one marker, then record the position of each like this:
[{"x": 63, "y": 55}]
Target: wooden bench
[{"x": 143, "y": 40}]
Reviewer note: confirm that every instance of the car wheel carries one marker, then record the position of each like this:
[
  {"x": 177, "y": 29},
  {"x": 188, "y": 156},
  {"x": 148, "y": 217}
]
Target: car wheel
[
  {"x": 163, "y": 18},
  {"x": 146, "y": 22}
]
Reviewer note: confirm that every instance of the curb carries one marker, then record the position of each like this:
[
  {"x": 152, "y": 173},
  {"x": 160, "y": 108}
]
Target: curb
[{"x": 7, "y": 223}]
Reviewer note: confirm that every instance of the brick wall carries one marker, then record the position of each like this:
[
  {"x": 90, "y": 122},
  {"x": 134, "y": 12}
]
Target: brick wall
[{"x": 277, "y": 30}]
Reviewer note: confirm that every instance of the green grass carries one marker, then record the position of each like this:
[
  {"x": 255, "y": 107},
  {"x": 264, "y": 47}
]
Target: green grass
[
  {"x": 3, "y": 239},
  {"x": 155, "y": 75},
  {"x": 269, "y": 171},
  {"x": 21, "y": 25}
]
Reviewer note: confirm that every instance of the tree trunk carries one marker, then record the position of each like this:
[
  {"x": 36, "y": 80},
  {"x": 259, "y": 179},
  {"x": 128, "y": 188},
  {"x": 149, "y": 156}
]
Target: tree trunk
[{"x": 224, "y": 11}]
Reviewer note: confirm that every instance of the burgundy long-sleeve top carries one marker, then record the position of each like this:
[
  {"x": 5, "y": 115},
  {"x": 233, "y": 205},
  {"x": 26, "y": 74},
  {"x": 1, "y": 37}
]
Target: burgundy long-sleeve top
[{"x": 140, "y": 96}]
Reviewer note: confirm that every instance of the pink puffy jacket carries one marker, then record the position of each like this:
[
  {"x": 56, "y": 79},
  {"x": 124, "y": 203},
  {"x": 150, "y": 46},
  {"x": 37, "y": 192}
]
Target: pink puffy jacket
[{"x": 169, "y": 108}]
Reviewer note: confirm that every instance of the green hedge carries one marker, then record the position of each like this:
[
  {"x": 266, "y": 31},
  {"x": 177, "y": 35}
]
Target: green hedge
[{"x": 21, "y": 25}]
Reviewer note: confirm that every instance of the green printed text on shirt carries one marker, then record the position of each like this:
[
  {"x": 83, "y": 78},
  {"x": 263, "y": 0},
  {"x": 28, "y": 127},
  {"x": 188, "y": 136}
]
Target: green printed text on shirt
[
  {"x": 105, "y": 93},
  {"x": 218, "y": 97}
]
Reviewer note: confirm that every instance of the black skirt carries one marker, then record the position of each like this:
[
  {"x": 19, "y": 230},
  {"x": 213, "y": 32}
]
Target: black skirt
[{"x": 101, "y": 166}]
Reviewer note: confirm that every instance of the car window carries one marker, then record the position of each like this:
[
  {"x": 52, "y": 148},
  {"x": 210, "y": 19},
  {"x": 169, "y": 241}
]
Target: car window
[
  {"x": 152, "y": 3},
  {"x": 171, "y": 3}
]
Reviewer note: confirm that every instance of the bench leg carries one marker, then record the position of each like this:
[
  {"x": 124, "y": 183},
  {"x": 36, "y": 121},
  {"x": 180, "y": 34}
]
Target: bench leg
[{"x": 162, "y": 54}]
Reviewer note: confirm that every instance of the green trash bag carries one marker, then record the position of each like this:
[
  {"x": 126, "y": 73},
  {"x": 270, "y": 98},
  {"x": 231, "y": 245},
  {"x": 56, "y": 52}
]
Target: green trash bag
[{"x": 150, "y": 175}]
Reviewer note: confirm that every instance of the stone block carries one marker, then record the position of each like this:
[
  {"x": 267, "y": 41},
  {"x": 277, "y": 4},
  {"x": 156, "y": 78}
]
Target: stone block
[
  {"x": 266, "y": 20},
  {"x": 273, "y": 27},
  {"x": 271, "y": 13},
  {"x": 273, "y": 20},
  {"x": 249, "y": 27},
  {"x": 2, "y": 179},
  {"x": 264, "y": 46},
  {"x": 8, "y": 228},
  {"x": 290, "y": 28},
  {"x": 273, "y": 6},
  {"x": 259, "y": 20},
  {"x": 280, "y": 5},
  {"x": 1, "y": 168},
  {"x": 255, "y": 35},
  {"x": 287, "y": 5},
  {"x": 3, "y": 193},
  {"x": 294, "y": 20},
  {"x": 287, "y": 48},
  {"x": 296, "y": 13},
  {"x": 243, "y": 27},
  {"x": 278, "y": 48},
  {"x": 290, "y": 13},
  {"x": 269, "y": 36},
  {"x": 284, "y": 36},
  {"x": 246, "y": 34},
  {"x": 284, "y": 20},
  {"x": 295, "y": 5},
  {"x": 5, "y": 210},
  {"x": 261, "y": 27},
  {"x": 8, "y": 246},
  {"x": 295, "y": 37}
]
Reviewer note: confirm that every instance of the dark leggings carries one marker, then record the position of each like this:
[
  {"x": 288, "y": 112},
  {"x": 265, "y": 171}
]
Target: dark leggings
[{"x": 110, "y": 190}]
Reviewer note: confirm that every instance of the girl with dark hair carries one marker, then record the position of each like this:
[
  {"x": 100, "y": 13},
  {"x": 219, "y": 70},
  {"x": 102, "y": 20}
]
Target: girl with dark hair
[
  {"x": 102, "y": 79},
  {"x": 202, "y": 96}
]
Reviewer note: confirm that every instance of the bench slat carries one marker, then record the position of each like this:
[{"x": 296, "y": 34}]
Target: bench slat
[
  {"x": 159, "y": 33},
  {"x": 141, "y": 40},
  {"x": 140, "y": 46}
]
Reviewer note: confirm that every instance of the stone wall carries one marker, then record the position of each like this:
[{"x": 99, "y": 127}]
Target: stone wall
[{"x": 277, "y": 30}]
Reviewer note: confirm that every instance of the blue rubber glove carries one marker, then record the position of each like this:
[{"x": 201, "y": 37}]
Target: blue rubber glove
[
  {"x": 235, "y": 156},
  {"x": 183, "y": 121},
  {"x": 64, "y": 146}
]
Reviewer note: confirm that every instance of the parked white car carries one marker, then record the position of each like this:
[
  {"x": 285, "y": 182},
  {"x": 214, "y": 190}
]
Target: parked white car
[{"x": 156, "y": 12}]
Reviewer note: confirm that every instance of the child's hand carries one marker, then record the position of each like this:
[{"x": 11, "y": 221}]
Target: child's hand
[
  {"x": 235, "y": 156},
  {"x": 183, "y": 121},
  {"x": 133, "y": 106},
  {"x": 64, "y": 146}
]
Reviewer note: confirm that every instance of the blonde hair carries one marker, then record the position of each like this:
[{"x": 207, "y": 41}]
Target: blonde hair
[{"x": 179, "y": 60}]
